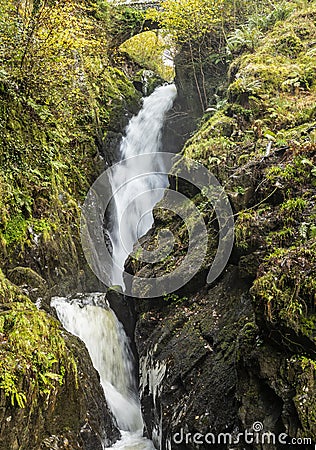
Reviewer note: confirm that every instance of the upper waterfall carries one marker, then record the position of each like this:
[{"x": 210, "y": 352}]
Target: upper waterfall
[{"x": 134, "y": 187}]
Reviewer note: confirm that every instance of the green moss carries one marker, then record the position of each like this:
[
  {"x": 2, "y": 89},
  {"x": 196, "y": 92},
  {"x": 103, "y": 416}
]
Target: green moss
[
  {"x": 34, "y": 358},
  {"x": 147, "y": 50},
  {"x": 122, "y": 23},
  {"x": 294, "y": 206},
  {"x": 213, "y": 142},
  {"x": 299, "y": 171},
  {"x": 15, "y": 230},
  {"x": 280, "y": 238},
  {"x": 286, "y": 292},
  {"x": 290, "y": 45},
  {"x": 272, "y": 97},
  {"x": 243, "y": 232},
  {"x": 174, "y": 299}
]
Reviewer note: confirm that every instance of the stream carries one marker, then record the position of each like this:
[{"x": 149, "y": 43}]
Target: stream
[{"x": 89, "y": 316}]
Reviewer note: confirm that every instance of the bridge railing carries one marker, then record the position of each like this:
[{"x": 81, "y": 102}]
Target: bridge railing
[{"x": 140, "y": 4}]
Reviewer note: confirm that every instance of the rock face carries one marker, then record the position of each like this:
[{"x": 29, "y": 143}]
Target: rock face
[
  {"x": 188, "y": 360},
  {"x": 189, "y": 107},
  {"x": 182, "y": 119},
  {"x": 207, "y": 367},
  {"x": 240, "y": 354}
]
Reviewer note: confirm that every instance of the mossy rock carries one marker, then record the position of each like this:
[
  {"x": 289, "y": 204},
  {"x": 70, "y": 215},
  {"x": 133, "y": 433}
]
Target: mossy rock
[
  {"x": 303, "y": 371},
  {"x": 284, "y": 296}
]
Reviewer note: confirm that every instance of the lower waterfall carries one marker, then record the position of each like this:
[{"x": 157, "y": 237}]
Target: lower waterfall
[
  {"x": 89, "y": 316},
  {"x": 109, "y": 349}
]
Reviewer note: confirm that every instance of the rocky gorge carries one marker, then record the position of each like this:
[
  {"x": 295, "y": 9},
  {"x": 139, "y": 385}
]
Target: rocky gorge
[{"x": 212, "y": 358}]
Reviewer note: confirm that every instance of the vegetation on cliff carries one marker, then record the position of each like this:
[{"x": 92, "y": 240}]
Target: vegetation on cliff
[
  {"x": 261, "y": 143},
  {"x": 61, "y": 91},
  {"x": 258, "y": 136},
  {"x": 27, "y": 368}
]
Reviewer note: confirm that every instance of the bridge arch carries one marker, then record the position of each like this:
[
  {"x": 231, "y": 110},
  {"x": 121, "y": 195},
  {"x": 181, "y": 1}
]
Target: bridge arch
[
  {"x": 150, "y": 51},
  {"x": 127, "y": 21}
]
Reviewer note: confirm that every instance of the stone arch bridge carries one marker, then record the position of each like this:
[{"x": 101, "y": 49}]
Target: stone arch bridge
[{"x": 140, "y": 4}]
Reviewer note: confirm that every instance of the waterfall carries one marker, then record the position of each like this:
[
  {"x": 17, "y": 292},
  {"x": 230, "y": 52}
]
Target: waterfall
[
  {"x": 91, "y": 319},
  {"x": 89, "y": 316},
  {"x": 106, "y": 341},
  {"x": 134, "y": 187}
]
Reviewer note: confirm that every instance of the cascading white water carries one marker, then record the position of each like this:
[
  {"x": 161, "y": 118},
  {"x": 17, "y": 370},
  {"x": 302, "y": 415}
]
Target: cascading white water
[
  {"x": 111, "y": 356},
  {"x": 88, "y": 317},
  {"x": 133, "y": 212},
  {"x": 108, "y": 346}
]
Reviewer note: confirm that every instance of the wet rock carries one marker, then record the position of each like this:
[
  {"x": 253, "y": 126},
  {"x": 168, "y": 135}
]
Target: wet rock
[
  {"x": 196, "y": 342},
  {"x": 123, "y": 308}
]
